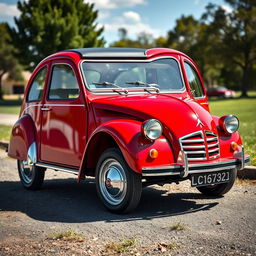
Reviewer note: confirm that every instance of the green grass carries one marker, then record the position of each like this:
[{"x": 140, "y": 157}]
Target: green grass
[
  {"x": 5, "y": 132},
  {"x": 10, "y": 110},
  {"x": 178, "y": 227},
  {"x": 245, "y": 110},
  {"x": 69, "y": 235},
  {"x": 10, "y": 106},
  {"x": 120, "y": 247}
]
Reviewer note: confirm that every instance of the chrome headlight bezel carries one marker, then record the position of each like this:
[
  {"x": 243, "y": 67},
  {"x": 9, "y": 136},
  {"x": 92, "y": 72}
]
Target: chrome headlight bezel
[
  {"x": 152, "y": 129},
  {"x": 229, "y": 123}
]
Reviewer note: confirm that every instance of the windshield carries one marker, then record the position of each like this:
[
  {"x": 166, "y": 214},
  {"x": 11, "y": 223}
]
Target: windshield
[{"x": 158, "y": 75}]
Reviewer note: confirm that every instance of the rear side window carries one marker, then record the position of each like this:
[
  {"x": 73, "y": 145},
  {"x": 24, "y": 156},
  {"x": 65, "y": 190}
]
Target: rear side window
[
  {"x": 63, "y": 84},
  {"x": 194, "y": 81},
  {"x": 37, "y": 86}
]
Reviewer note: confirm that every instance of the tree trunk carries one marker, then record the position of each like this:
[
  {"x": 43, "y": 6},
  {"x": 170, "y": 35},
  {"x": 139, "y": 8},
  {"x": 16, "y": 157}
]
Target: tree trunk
[
  {"x": 1, "y": 90},
  {"x": 245, "y": 81}
]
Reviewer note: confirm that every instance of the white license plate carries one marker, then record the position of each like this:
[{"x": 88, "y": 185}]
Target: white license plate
[{"x": 211, "y": 178}]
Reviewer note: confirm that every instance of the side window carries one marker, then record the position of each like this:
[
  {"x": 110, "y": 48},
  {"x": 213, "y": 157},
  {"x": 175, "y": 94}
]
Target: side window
[
  {"x": 63, "y": 84},
  {"x": 37, "y": 86},
  {"x": 194, "y": 81}
]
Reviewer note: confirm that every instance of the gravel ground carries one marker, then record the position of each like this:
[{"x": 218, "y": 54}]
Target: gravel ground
[{"x": 170, "y": 220}]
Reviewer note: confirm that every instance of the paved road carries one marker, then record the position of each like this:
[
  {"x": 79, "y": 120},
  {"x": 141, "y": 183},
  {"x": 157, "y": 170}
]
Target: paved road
[
  {"x": 8, "y": 119},
  {"x": 213, "y": 226}
]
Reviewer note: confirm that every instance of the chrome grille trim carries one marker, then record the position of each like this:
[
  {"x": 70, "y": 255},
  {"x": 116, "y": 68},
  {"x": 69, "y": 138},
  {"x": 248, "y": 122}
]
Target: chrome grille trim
[{"x": 200, "y": 145}]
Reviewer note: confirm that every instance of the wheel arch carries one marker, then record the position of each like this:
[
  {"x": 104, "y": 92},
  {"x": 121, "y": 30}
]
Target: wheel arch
[
  {"x": 112, "y": 134},
  {"x": 22, "y": 139},
  {"x": 95, "y": 147}
]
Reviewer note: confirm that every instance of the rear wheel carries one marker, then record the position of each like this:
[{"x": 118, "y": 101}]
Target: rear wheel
[
  {"x": 118, "y": 187},
  {"x": 31, "y": 177},
  {"x": 219, "y": 189}
]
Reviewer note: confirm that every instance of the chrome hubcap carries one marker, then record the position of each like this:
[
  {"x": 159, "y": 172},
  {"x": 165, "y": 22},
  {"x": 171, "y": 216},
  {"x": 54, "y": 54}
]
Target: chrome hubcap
[
  {"x": 26, "y": 172},
  {"x": 112, "y": 181}
]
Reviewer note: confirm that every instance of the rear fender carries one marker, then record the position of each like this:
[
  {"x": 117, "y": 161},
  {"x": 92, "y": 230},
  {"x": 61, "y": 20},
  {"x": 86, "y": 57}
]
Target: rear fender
[
  {"x": 23, "y": 140},
  {"x": 127, "y": 136}
]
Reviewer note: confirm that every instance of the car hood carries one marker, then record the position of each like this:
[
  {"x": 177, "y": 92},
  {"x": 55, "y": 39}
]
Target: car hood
[{"x": 179, "y": 117}]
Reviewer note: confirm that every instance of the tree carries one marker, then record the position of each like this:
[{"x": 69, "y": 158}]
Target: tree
[
  {"x": 8, "y": 63},
  {"x": 238, "y": 35},
  {"x": 48, "y": 26},
  {"x": 143, "y": 40},
  {"x": 193, "y": 37}
]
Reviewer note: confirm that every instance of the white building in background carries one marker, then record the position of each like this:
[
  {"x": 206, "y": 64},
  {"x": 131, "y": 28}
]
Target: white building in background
[{"x": 15, "y": 87}]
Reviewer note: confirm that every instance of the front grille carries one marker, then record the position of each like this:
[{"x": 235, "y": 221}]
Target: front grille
[
  {"x": 212, "y": 145},
  {"x": 196, "y": 148}
]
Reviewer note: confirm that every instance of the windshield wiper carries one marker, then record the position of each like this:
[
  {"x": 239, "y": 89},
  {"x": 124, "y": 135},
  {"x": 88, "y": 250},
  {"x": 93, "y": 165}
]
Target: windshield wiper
[
  {"x": 153, "y": 86},
  {"x": 105, "y": 83}
]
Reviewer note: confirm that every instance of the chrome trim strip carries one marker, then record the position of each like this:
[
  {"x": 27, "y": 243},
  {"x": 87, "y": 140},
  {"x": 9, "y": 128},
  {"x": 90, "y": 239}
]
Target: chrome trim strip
[
  {"x": 58, "y": 105},
  {"x": 31, "y": 156},
  {"x": 211, "y": 139},
  {"x": 192, "y": 134},
  {"x": 216, "y": 156},
  {"x": 196, "y": 152},
  {"x": 213, "y": 170},
  {"x": 196, "y": 159},
  {"x": 186, "y": 166},
  {"x": 196, "y": 140},
  {"x": 160, "y": 174},
  {"x": 213, "y": 145},
  {"x": 64, "y": 105},
  {"x": 160, "y": 167},
  {"x": 243, "y": 158},
  {"x": 58, "y": 168},
  {"x": 203, "y": 146},
  {"x": 213, "y": 150},
  {"x": 193, "y": 165},
  {"x": 30, "y": 106}
]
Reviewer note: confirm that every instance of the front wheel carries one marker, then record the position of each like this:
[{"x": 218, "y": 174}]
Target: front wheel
[
  {"x": 219, "y": 189},
  {"x": 31, "y": 177},
  {"x": 118, "y": 187}
]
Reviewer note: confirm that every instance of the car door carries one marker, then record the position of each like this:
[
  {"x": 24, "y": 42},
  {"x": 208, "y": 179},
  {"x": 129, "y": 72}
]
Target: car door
[{"x": 64, "y": 117}]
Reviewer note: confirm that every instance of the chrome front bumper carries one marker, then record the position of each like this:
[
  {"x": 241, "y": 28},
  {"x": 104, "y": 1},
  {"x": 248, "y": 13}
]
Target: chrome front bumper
[{"x": 184, "y": 170}]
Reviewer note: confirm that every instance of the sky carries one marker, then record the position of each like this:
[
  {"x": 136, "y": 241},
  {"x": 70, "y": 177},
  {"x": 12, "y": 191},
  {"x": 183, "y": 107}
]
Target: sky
[{"x": 155, "y": 17}]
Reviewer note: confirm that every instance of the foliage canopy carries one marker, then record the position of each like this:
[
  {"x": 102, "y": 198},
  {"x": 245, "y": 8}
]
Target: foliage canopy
[
  {"x": 48, "y": 26},
  {"x": 8, "y": 63}
]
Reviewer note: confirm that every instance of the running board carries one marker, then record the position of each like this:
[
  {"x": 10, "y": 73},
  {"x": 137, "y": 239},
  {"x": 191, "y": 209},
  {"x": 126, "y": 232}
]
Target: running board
[{"x": 58, "y": 168}]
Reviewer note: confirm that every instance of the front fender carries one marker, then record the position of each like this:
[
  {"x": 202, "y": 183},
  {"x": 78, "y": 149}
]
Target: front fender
[
  {"x": 22, "y": 137},
  {"x": 226, "y": 139},
  {"x": 133, "y": 145}
]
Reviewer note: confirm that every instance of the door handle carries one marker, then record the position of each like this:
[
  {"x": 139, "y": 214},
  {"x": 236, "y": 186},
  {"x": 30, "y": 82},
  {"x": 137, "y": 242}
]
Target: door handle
[{"x": 46, "y": 109}]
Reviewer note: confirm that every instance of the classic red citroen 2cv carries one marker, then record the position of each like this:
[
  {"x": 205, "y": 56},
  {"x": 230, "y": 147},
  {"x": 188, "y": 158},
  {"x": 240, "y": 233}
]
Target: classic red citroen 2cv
[{"x": 128, "y": 117}]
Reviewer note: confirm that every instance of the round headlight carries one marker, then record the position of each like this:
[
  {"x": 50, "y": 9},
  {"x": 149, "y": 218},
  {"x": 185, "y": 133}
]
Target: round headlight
[
  {"x": 152, "y": 129},
  {"x": 229, "y": 124}
]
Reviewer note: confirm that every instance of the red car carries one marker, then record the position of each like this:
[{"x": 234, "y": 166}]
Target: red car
[
  {"x": 128, "y": 117},
  {"x": 220, "y": 92}
]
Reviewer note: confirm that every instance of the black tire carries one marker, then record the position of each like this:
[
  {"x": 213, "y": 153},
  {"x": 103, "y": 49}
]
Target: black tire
[
  {"x": 219, "y": 189},
  {"x": 118, "y": 187},
  {"x": 31, "y": 178}
]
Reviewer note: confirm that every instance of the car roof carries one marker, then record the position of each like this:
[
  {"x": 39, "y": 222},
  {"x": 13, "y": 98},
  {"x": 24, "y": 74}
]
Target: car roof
[
  {"x": 121, "y": 52},
  {"x": 114, "y": 53}
]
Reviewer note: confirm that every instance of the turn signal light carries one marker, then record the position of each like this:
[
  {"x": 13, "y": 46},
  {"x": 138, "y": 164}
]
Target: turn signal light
[
  {"x": 153, "y": 153},
  {"x": 233, "y": 145}
]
